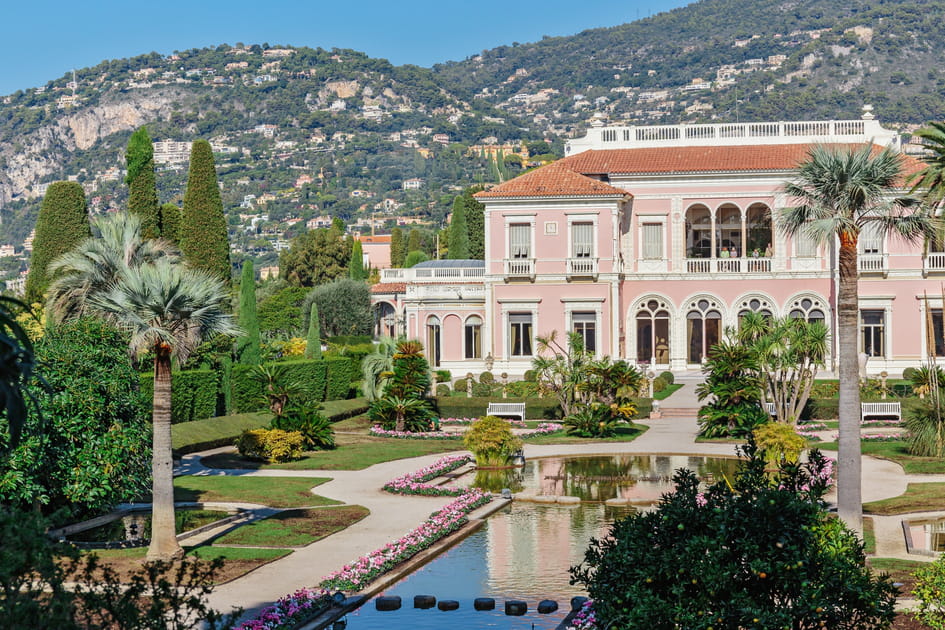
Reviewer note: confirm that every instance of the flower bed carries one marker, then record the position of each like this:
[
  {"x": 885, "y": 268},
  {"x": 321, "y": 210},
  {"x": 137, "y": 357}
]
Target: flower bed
[
  {"x": 290, "y": 610},
  {"x": 812, "y": 426},
  {"x": 358, "y": 574},
  {"x": 810, "y": 436},
  {"x": 415, "y": 483},
  {"x": 545, "y": 428},
  {"x": 584, "y": 619},
  {"x": 378, "y": 431},
  {"x": 882, "y": 437},
  {"x": 882, "y": 423},
  {"x": 466, "y": 421}
]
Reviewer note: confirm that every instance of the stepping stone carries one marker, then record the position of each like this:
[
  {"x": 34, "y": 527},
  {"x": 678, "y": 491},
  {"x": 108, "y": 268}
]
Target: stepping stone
[
  {"x": 424, "y": 601},
  {"x": 515, "y": 608},
  {"x": 547, "y": 606},
  {"x": 577, "y": 603},
  {"x": 448, "y": 604},
  {"x": 484, "y": 603},
  {"x": 387, "y": 602}
]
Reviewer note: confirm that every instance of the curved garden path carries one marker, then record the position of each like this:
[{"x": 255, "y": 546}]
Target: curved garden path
[{"x": 392, "y": 516}]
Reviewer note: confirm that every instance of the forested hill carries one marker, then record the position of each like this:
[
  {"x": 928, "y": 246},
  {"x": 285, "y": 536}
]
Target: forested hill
[{"x": 837, "y": 56}]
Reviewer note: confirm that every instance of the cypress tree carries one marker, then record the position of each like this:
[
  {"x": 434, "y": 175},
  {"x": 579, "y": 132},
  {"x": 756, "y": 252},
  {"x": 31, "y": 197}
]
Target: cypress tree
[
  {"x": 142, "y": 186},
  {"x": 356, "y": 266},
  {"x": 170, "y": 223},
  {"x": 203, "y": 237},
  {"x": 415, "y": 241},
  {"x": 247, "y": 346},
  {"x": 397, "y": 250},
  {"x": 459, "y": 231},
  {"x": 62, "y": 224},
  {"x": 313, "y": 342}
]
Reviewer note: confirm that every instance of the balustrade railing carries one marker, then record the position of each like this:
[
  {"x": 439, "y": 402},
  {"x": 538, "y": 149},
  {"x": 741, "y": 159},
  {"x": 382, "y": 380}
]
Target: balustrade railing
[
  {"x": 935, "y": 261},
  {"x": 520, "y": 267},
  {"x": 872, "y": 263},
  {"x": 728, "y": 265},
  {"x": 582, "y": 266},
  {"x": 433, "y": 274}
]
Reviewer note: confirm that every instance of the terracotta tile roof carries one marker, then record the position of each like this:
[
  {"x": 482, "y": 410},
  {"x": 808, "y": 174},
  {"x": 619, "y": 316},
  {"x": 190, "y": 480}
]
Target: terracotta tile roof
[
  {"x": 555, "y": 180},
  {"x": 380, "y": 238},
  {"x": 389, "y": 287}
]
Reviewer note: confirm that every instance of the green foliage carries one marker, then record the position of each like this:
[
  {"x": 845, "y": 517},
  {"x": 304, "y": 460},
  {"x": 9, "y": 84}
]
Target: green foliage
[
  {"x": 414, "y": 241},
  {"x": 592, "y": 421},
  {"x": 668, "y": 377},
  {"x": 356, "y": 269},
  {"x": 248, "y": 351},
  {"x": 280, "y": 313},
  {"x": 344, "y": 308},
  {"x": 460, "y": 385},
  {"x": 17, "y": 365},
  {"x": 376, "y": 368},
  {"x": 926, "y": 430},
  {"x": 315, "y": 257},
  {"x": 203, "y": 231},
  {"x": 194, "y": 394},
  {"x": 458, "y": 232},
  {"x": 778, "y": 443},
  {"x": 170, "y": 220},
  {"x": 271, "y": 445},
  {"x": 313, "y": 342},
  {"x": 142, "y": 185},
  {"x": 659, "y": 384},
  {"x": 304, "y": 380},
  {"x": 733, "y": 387},
  {"x": 475, "y": 223},
  {"x": 908, "y": 373},
  {"x": 404, "y": 405},
  {"x": 929, "y": 590},
  {"x": 157, "y": 596},
  {"x": 341, "y": 372},
  {"x": 87, "y": 444},
  {"x": 414, "y": 258},
  {"x": 398, "y": 250},
  {"x": 442, "y": 376},
  {"x": 487, "y": 378},
  {"x": 316, "y": 430},
  {"x": 492, "y": 442},
  {"x": 462, "y": 407},
  {"x": 925, "y": 379},
  {"x": 63, "y": 223},
  {"x": 762, "y": 552}
]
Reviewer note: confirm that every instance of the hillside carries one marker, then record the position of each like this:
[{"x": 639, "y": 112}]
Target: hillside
[{"x": 301, "y": 134}]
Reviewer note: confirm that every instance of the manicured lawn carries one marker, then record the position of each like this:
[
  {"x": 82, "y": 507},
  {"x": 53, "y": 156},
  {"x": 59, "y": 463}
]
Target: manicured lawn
[
  {"x": 896, "y": 452},
  {"x": 919, "y": 497},
  {"x": 354, "y": 452},
  {"x": 273, "y": 491},
  {"x": 211, "y": 432},
  {"x": 344, "y": 408},
  {"x": 705, "y": 440},
  {"x": 237, "y": 561},
  {"x": 668, "y": 391},
  {"x": 869, "y": 536},
  {"x": 898, "y": 570},
  {"x": 295, "y": 528},
  {"x": 624, "y": 434}
]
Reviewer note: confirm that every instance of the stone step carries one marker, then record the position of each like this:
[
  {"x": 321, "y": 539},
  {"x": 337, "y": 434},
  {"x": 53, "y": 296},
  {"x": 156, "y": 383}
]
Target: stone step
[{"x": 678, "y": 412}]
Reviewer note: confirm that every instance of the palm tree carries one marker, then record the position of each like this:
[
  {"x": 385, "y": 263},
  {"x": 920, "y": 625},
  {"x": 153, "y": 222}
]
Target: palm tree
[
  {"x": 840, "y": 192},
  {"x": 931, "y": 179},
  {"x": 168, "y": 309},
  {"x": 377, "y": 368}
]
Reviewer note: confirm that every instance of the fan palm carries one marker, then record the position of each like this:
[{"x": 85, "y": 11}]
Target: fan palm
[
  {"x": 840, "y": 192},
  {"x": 377, "y": 367},
  {"x": 931, "y": 179},
  {"x": 168, "y": 309}
]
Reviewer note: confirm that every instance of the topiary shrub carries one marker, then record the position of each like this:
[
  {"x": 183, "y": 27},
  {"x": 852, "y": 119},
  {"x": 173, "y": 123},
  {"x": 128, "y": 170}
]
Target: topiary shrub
[
  {"x": 460, "y": 385},
  {"x": 492, "y": 442},
  {"x": 531, "y": 376},
  {"x": 483, "y": 390},
  {"x": 487, "y": 377},
  {"x": 659, "y": 384},
  {"x": 272, "y": 445},
  {"x": 668, "y": 377},
  {"x": 442, "y": 389},
  {"x": 758, "y": 551},
  {"x": 908, "y": 373}
]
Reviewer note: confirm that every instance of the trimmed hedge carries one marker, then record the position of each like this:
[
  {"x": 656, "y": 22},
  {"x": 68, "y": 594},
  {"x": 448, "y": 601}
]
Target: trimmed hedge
[
  {"x": 829, "y": 408},
  {"x": 535, "y": 408},
  {"x": 193, "y": 394},
  {"x": 325, "y": 379}
]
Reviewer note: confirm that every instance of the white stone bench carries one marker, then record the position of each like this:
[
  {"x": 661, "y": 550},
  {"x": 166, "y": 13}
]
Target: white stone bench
[
  {"x": 507, "y": 410},
  {"x": 880, "y": 410},
  {"x": 770, "y": 408}
]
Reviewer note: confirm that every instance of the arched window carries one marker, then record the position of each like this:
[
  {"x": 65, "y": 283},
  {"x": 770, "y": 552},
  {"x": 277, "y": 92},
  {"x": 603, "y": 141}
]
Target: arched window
[
  {"x": 810, "y": 309},
  {"x": 698, "y": 232},
  {"x": 728, "y": 227},
  {"x": 758, "y": 240},
  {"x": 755, "y": 304},
  {"x": 653, "y": 333},
  {"x": 472, "y": 337},
  {"x": 704, "y": 329},
  {"x": 433, "y": 340}
]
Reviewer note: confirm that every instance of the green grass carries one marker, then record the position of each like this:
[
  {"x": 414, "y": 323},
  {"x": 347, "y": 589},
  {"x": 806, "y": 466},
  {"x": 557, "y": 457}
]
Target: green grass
[
  {"x": 188, "y": 437},
  {"x": 896, "y": 452},
  {"x": 272, "y": 491},
  {"x": 900, "y": 571},
  {"x": 354, "y": 452},
  {"x": 720, "y": 440},
  {"x": 869, "y": 536},
  {"x": 919, "y": 497},
  {"x": 337, "y": 410},
  {"x": 623, "y": 434},
  {"x": 295, "y": 528},
  {"x": 203, "y": 551},
  {"x": 668, "y": 391}
]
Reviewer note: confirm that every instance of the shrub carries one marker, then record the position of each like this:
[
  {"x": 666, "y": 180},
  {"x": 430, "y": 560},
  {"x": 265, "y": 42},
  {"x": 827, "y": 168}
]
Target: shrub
[
  {"x": 483, "y": 390},
  {"x": 668, "y": 377},
  {"x": 830, "y": 389},
  {"x": 350, "y": 340},
  {"x": 460, "y": 385},
  {"x": 591, "y": 421},
  {"x": 462, "y": 407},
  {"x": 316, "y": 430},
  {"x": 492, "y": 442},
  {"x": 778, "y": 443},
  {"x": 193, "y": 394},
  {"x": 523, "y": 389},
  {"x": 442, "y": 389},
  {"x": 659, "y": 384},
  {"x": 732, "y": 390},
  {"x": 929, "y": 589},
  {"x": 487, "y": 378},
  {"x": 443, "y": 376},
  {"x": 926, "y": 426},
  {"x": 272, "y": 445},
  {"x": 248, "y": 395},
  {"x": 762, "y": 552},
  {"x": 341, "y": 373},
  {"x": 531, "y": 376},
  {"x": 908, "y": 373}
]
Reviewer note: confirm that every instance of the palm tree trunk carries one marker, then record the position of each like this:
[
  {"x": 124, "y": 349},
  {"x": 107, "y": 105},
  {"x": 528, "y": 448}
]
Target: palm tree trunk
[
  {"x": 164, "y": 545},
  {"x": 849, "y": 490}
]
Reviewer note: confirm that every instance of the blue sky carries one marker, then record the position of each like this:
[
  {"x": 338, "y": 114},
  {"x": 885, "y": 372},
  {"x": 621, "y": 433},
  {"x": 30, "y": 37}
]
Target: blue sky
[{"x": 42, "y": 40}]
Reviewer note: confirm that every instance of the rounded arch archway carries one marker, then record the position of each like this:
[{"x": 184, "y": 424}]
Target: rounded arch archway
[
  {"x": 434, "y": 340},
  {"x": 385, "y": 320},
  {"x": 651, "y": 319},
  {"x": 808, "y": 306},
  {"x": 703, "y": 315},
  {"x": 698, "y": 231},
  {"x": 759, "y": 236},
  {"x": 728, "y": 228},
  {"x": 755, "y": 302}
]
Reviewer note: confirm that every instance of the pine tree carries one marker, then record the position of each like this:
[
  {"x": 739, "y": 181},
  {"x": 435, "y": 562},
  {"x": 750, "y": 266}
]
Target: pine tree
[
  {"x": 247, "y": 345},
  {"x": 62, "y": 224},
  {"x": 356, "y": 266},
  {"x": 203, "y": 237},
  {"x": 142, "y": 186},
  {"x": 313, "y": 342},
  {"x": 170, "y": 223},
  {"x": 397, "y": 250},
  {"x": 459, "y": 231}
]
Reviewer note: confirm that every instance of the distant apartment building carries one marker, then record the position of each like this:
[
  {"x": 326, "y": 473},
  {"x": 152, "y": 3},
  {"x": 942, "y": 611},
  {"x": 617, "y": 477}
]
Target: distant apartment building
[
  {"x": 278, "y": 52},
  {"x": 323, "y": 221},
  {"x": 265, "y": 273},
  {"x": 171, "y": 152},
  {"x": 376, "y": 251},
  {"x": 7, "y": 251},
  {"x": 414, "y": 183},
  {"x": 441, "y": 138}
]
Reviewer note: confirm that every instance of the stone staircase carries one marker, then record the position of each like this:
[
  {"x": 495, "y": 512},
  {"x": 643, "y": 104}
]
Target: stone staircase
[{"x": 678, "y": 412}]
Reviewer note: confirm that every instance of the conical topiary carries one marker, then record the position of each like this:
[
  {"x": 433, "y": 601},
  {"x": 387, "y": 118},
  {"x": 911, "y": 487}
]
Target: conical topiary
[
  {"x": 247, "y": 345},
  {"x": 62, "y": 224},
  {"x": 313, "y": 344},
  {"x": 203, "y": 233},
  {"x": 142, "y": 185}
]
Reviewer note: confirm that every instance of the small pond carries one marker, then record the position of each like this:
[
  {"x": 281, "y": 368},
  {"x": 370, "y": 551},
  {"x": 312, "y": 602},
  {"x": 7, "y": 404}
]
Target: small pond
[{"x": 524, "y": 550}]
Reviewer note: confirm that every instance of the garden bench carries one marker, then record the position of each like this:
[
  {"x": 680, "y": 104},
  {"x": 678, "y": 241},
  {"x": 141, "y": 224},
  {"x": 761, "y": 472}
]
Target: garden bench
[
  {"x": 507, "y": 410},
  {"x": 770, "y": 408},
  {"x": 880, "y": 410}
]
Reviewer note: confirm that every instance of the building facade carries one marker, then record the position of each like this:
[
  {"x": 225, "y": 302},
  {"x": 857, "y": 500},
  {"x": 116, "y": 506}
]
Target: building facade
[{"x": 649, "y": 242}]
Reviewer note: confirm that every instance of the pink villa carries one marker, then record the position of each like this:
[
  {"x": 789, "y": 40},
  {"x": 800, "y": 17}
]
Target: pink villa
[{"x": 649, "y": 242}]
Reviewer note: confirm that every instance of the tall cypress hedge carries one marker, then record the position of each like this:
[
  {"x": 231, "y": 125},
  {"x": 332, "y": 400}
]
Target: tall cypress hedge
[
  {"x": 458, "y": 247},
  {"x": 62, "y": 224},
  {"x": 398, "y": 251},
  {"x": 313, "y": 342},
  {"x": 247, "y": 346},
  {"x": 142, "y": 185},
  {"x": 356, "y": 264},
  {"x": 170, "y": 223},
  {"x": 203, "y": 236}
]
